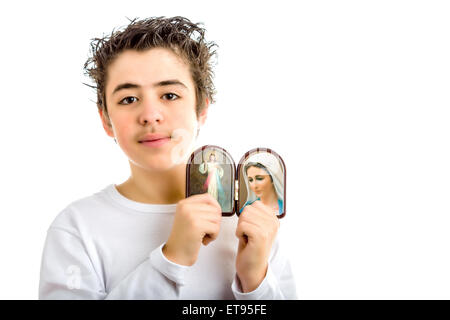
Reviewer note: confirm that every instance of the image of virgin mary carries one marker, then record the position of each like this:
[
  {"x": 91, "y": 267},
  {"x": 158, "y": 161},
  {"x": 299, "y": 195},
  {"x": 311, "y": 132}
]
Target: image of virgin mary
[{"x": 267, "y": 185}]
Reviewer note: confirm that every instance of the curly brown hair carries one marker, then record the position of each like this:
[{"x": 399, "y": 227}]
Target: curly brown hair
[{"x": 179, "y": 34}]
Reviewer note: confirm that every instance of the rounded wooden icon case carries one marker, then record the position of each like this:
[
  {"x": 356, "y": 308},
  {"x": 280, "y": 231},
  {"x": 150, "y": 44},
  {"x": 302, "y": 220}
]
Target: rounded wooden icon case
[{"x": 219, "y": 176}]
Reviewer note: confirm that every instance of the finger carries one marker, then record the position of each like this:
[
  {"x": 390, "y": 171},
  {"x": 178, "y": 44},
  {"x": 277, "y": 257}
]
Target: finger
[
  {"x": 242, "y": 242},
  {"x": 247, "y": 230},
  {"x": 251, "y": 217},
  {"x": 206, "y": 240},
  {"x": 257, "y": 227},
  {"x": 255, "y": 209},
  {"x": 256, "y": 216},
  {"x": 205, "y": 211},
  {"x": 204, "y": 198},
  {"x": 211, "y": 232},
  {"x": 264, "y": 208}
]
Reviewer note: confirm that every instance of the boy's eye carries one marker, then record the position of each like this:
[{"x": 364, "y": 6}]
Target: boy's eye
[
  {"x": 128, "y": 100},
  {"x": 170, "y": 96}
]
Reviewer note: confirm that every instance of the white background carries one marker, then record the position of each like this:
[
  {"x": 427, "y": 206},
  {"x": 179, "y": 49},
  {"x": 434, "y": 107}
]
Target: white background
[{"x": 354, "y": 95}]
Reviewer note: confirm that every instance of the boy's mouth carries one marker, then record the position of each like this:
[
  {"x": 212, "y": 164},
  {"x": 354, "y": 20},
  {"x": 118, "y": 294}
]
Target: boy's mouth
[{"x": 153, "y": 137}]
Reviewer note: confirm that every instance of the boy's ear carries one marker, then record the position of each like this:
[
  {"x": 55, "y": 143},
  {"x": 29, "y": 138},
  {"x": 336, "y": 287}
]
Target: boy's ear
[
  {"x": 106, "y": 123},
  {"x": 204, "y": 114}
]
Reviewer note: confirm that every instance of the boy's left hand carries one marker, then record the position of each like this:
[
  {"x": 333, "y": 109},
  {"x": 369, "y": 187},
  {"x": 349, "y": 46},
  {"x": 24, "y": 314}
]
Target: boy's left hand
[{"x": 257, "y": 228}]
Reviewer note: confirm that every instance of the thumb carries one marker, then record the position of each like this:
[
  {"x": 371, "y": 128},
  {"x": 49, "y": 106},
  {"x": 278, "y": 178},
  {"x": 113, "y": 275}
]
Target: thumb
[
  {"x": 243, "y": 240},
  {"x": 207, "y": 239}
]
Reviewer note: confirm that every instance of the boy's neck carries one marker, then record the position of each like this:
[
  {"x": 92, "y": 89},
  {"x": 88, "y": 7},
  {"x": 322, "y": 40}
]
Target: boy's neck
[{"x": 167, "y": 187}]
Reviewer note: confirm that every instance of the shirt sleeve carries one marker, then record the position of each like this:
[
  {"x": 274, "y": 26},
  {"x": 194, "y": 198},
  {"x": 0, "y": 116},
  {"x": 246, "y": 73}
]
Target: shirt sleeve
[
  {"x": 67, "y": 272},
  {"x": 278, "y": 284}
]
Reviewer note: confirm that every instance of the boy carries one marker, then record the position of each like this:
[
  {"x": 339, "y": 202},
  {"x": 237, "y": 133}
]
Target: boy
[{"x": 143, "y": 239}]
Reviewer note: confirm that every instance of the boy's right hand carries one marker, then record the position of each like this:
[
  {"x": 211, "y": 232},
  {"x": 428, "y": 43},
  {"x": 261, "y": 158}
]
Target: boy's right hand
[{"x": 197, "y": 221}]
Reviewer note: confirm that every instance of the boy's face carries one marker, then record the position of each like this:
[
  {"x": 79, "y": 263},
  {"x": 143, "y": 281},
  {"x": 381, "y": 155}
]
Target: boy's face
[{"x": 152, "y": 92}]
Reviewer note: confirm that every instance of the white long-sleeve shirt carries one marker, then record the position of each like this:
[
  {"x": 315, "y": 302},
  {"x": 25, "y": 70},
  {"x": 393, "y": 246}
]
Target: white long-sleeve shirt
[{"x": 106, "y": 246}]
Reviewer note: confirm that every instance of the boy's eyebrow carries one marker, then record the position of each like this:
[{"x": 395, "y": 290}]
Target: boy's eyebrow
[
  {"x": 163, "y": 83},
  {"x": 170, "y": 82}
]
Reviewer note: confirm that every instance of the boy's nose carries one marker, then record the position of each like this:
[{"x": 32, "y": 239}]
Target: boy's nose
[{"x": 151, "y": 114}]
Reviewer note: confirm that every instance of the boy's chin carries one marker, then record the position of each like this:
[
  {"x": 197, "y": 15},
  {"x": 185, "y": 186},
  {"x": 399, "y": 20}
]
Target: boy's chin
[
  {"x": 159, "y": 165},
  {"x": 163, "y": 167},
  {"x": 166, "y": 160}
]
